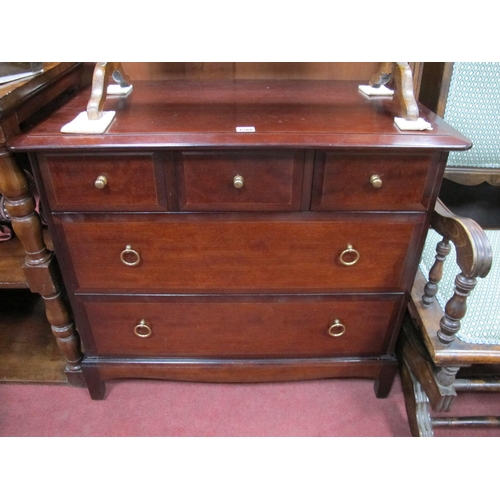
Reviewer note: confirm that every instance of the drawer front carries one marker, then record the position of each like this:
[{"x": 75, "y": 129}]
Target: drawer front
[
  {"x": 372, "y": 182},
  {"x": 243, "y": 327},
  {"x": 226, "y": 253},
  {"x": 102, "y": 182},
  {"x": 240, "y": 180}
]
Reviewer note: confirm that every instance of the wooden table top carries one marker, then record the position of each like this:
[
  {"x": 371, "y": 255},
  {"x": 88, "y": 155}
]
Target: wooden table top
[{"x": 205, "y": 113}]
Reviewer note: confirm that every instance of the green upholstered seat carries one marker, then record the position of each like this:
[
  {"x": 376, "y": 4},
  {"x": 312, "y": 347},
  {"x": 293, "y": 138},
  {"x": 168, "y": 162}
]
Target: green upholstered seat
[{"x": 473, "y": 108}]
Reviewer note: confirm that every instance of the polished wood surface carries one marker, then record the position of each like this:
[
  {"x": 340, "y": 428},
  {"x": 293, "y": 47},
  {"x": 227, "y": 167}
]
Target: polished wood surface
[
  {"x": 184, "y": 254},
  {"x": 272, "y": 180},
  {"x": 345, "y": 181},
  {"x": 23, "y": 103},
  {"x": 238, "y": 281},
  {"x": 70, "y": 182},
  {"x": 196, "y": 114},
  {"x": 242, "y": 327},
  {"x": 250, "y": 70}
]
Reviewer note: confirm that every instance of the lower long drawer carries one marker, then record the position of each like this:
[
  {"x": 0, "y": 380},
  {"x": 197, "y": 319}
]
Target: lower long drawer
[{"x": 239, "y": 326}]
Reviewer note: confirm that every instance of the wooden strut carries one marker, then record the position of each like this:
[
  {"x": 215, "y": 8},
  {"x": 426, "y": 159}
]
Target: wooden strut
[
  {"x": 404, "y": 97},
  {"x": 102, "y": 73}
]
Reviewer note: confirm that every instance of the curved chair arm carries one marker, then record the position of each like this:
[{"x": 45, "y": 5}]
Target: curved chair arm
[{"x": 474, "y": 258}]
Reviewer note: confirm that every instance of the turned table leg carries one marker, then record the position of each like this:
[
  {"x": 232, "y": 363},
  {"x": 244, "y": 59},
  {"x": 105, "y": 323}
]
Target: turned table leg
[{"x": 40, "y": 265}]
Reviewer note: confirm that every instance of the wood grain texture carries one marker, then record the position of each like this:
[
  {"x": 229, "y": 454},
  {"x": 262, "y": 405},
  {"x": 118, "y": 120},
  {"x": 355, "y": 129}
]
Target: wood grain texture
[
  {"x": 189, "y": 253},
  {"x": 248, "y": 70},
  {"x": 28, "y": 349},
  {"x": 241, "y": 327},
  {"x": 272, "y": 180},
  {"x": 12, "y": 256},
  {"x": 342, "y": 181},
  {"x": 243, "y": 289},
  {"x": 285, "y": 113},
  {"x": 131, "y": 182}
]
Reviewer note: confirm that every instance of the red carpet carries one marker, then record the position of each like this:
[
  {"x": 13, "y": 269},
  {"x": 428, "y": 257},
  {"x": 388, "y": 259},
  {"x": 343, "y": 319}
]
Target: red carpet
[{"x": 158, "y": 408}]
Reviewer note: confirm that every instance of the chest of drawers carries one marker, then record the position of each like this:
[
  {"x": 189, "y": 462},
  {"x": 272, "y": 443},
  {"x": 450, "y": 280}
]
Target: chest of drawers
[{"x": 193, "y": 252}]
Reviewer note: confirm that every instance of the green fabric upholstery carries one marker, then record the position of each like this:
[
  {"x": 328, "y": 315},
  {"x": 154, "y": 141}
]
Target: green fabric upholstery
[
  {"x": 481, "y": 324},
  {"x": 473, "y": 108}
]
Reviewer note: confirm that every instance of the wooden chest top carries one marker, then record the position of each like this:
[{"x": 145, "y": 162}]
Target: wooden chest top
[{"x": 284, "y": 113}]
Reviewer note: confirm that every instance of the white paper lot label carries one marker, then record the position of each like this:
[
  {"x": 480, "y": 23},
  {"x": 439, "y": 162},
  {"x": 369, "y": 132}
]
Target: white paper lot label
[{"x": 245, "y": 129}]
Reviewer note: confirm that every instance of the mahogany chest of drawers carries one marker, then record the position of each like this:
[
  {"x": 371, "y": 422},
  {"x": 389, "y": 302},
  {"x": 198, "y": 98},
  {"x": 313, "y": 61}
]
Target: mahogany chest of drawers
[{"x": 191, "y": 251}]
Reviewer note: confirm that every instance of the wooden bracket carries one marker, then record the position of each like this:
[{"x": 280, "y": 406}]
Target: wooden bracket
[
  {"x": 102, "y": 72},
  {"x": 404, "y": 97}
]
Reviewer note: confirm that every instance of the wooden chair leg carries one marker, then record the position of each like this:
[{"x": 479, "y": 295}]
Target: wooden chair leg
[{"x": 416, "y": 403}]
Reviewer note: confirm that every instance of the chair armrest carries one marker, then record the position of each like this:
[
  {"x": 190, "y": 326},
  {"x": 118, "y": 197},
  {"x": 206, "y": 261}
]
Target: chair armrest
[
  {"x": 474, "y": 259},
  {"x": 474, "y": 255}
]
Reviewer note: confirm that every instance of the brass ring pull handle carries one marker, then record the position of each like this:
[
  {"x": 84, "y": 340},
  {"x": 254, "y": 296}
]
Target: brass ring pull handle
[
  {"x": 142, "y": 330},
  {"x": 130, "y": 253},
  {"x": 238, "y": 181},
  {"x": 349, "y": 250},
  {"x": 376, "y": 181},
  {"x": 101, "y": 182},
  {"x": 337, "y": 329}
]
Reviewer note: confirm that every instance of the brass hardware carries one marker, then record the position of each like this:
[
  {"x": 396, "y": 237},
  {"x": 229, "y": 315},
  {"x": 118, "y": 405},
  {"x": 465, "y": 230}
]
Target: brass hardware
[
  {"x": 376, "y": 181},
  {"x": 142, "y": 330},
  {"x": 349, "y": 250},
  {"x": 337, "y": 329},
  {"x": 100, "y": 182},
  {"x": 238, "y": 181},
  {"x": 128, "y": 251}
]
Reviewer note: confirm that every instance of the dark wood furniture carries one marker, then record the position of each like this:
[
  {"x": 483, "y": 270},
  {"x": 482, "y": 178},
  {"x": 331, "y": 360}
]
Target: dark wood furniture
[
  {"x": 436, "y": 365},
  {"x": 192, "y": 251},
  {"x": 28, "y": 350}
]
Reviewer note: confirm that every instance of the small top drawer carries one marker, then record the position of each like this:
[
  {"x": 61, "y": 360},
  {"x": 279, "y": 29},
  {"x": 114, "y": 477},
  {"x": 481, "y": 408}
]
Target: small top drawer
[
  {"x": 240, "y": 180},
  {"x": 100, "y": 182},
  {"x": 372, "y": 181}
]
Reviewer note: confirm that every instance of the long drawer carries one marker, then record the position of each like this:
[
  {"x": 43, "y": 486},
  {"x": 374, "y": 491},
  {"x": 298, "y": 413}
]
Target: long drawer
[
  {"x": 237, "y": 254},
  {"x": 243, "y": 326}
]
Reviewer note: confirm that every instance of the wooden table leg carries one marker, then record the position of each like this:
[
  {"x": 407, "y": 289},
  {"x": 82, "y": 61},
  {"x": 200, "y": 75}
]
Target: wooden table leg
[{"x": 40, "y": 264}]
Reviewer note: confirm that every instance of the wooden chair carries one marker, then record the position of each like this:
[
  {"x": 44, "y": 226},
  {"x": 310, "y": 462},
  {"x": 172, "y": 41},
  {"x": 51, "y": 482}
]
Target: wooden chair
[{"x": 451, "y": 337}]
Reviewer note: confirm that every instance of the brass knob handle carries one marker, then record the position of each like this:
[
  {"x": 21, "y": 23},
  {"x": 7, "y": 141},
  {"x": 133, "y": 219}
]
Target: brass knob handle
[
  {"x": 337, "y": 329},
  {"x": 100, "y": 182},
  {"x": 348, "y": 251},
  {"x": 142, "y": 330},
  {"x": 130, "y": 253},
  {"x": 376, "y": 181},
  {"x": 238, "y": 181}
]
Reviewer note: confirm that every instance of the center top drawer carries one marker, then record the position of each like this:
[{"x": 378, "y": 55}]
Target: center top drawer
[{"x": 240, "y": 180}]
